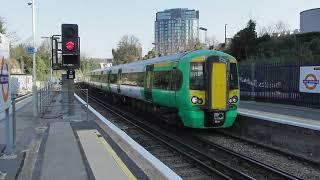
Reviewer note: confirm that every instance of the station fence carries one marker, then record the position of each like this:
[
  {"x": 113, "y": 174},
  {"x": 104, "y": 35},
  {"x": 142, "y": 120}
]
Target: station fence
[
  {"x": 57, "y": 103},
  {"x": 275, "y": 83}
]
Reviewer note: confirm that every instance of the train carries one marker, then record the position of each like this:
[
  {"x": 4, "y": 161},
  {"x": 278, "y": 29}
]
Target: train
[{"x": 196, "y": 89}]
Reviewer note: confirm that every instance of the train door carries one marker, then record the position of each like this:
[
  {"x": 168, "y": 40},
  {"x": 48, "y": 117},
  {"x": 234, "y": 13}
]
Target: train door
[
  {"x": 148, "y": 82},
  {"x": 108, "y": 81},
  {"x": 175, "y": 83},
  {"x": 119, "y": 81},
  {"x": 218, "y": 83}
]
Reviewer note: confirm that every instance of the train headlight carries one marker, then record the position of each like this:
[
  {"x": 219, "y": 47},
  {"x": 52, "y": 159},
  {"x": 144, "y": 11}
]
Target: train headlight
[
  {"x": 194, "y": 99},
  {"x": 200, "y": 101},
  {"x": 235, "y": 99}
]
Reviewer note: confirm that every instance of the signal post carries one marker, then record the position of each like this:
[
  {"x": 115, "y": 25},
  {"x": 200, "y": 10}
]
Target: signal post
[{"x": 70, "y": 61}]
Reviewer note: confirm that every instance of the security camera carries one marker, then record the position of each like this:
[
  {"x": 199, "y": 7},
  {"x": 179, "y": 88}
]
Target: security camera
[{"x": 30, "y": 3}]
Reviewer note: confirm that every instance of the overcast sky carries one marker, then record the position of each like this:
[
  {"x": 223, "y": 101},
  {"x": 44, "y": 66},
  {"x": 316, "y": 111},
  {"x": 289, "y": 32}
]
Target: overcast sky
[{"x": 103, "y": 22}]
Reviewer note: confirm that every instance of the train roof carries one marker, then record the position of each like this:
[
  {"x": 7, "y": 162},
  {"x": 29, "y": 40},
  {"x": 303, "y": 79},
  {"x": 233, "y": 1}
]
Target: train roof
[
  {"x": 174, "y": 57},
  {"x": 138, "y": 66},
  {"x": 153, "y": 60}
]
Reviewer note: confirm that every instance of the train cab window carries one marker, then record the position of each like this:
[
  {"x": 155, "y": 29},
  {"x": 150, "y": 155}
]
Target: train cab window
[
  {"x": 233, "y": 78},
  {"x": 197, "y": 76}
]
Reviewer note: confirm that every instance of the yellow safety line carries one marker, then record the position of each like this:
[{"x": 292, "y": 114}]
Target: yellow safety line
[{"x": 120, "y": 163}]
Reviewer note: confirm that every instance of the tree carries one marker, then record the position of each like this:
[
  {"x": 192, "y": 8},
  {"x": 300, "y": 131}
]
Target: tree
[
  {"x": 128, "y": 50},
  {"x": 3, "y": 30},
  {"x": 43, "y": 58},
  {"x": 243, "y": 43},
  {"x": 87, "y": 65},
  {"x": 19, "y": 54},
  {"x": 212, "y": 42},
  {"x": 151, "y": 54},
  {"x": 22, "y": 60},
  {"x": 2, "y": 25},
  {"x": 274, "y": 29},
  {"x": 281, "y": 27}
]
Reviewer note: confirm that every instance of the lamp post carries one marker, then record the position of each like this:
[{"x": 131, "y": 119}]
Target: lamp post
[
  {"x": 155, "y": 45},
  {"x": 205, "y": 35},
  {"x": 156, "y": 54},
  {"x": 34, "y": 74},
  {"x": 225, "y": 34}
]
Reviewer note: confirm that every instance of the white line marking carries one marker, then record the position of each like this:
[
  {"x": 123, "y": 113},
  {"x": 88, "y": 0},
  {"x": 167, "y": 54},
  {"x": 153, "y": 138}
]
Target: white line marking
[{"x": 309, "y": 124}]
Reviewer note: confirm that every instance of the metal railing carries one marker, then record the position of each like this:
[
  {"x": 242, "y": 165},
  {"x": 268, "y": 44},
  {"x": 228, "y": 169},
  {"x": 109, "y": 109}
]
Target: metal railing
[
  {"x": 275, "y": 83},
  {"x": 56, "y": 103}
]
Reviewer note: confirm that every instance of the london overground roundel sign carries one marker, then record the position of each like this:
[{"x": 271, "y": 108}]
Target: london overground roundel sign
[
  {"x": 4, "y": 80},
  {"x": 309, "y": 79},
  {"x": 5, "y": 94}
]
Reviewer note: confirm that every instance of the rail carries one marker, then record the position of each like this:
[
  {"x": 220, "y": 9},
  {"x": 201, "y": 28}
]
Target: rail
[{"x": 200, "y": 157}]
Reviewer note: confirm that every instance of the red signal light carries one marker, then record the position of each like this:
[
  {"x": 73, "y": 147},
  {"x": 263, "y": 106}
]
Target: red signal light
[{"x": 70, "y": 45}]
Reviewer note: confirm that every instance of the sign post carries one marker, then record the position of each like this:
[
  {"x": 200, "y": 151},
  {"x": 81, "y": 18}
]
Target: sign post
[
  {"x": 5, "y": 96},
  {"x": 30, "y": 50}
]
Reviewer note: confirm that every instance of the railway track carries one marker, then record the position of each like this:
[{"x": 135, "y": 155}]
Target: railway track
[{"x": 199, "y": 155}]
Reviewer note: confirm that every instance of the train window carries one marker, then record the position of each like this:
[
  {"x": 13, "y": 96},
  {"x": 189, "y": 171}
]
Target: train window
[
  {"x": 113, "y": 78},
  {"x": 140, "y": 79},
  {"x": 196, "y": 76},
  {"x": 129, "y": 79},
  {"x": 161, "y": 80},
  {"x": 132, "y": 79},
  {"x": 94, "y": 78},
  {"x": 167, "y": 80},
  {"x": 233, "y": 78}
]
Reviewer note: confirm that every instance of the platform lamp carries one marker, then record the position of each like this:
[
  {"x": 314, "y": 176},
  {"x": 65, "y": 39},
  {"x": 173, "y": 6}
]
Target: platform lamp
[
  {"x": 205, "y": 35},
  {"x": 34, "y": 74}
]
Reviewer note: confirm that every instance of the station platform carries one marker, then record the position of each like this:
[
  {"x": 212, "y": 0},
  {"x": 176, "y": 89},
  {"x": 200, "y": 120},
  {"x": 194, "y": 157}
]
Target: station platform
[
  {"x": 280, "y": 113},
  {"x": 62, "y": 147}
]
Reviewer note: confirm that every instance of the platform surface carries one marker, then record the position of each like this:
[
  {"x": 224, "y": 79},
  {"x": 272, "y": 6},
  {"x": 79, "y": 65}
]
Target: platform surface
[
  {"x": 288, "y": 114},
  {"x": 62, "y": 158},
  {"x": 58, "y": 146},
  {"x": 103, "y": 161},
  {"x": 26, "y": 126}
]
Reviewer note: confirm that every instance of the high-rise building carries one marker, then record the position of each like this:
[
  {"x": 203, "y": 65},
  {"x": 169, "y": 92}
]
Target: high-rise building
[{"x": 175, "y": 30}]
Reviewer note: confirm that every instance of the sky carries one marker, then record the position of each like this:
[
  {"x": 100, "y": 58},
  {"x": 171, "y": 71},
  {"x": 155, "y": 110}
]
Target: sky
[{"x": 102, "y": 23}]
